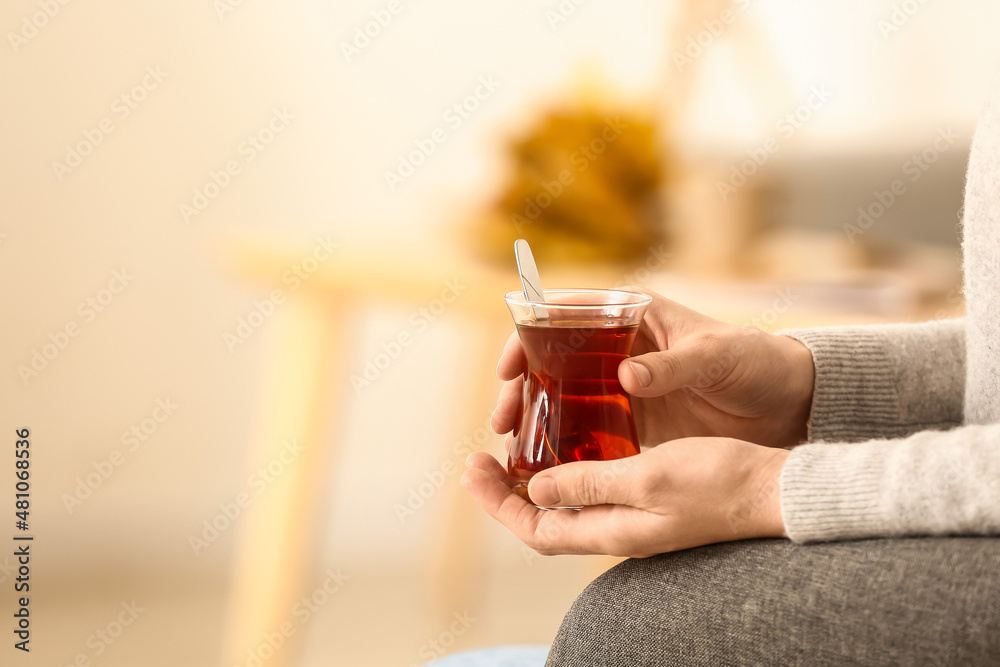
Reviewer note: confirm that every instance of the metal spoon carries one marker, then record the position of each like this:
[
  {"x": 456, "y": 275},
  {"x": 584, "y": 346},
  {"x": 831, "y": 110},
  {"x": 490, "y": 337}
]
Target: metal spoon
[{"x": 529, "y": 272}]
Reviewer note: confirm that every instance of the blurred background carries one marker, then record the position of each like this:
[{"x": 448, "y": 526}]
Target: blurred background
[{"x": 254, "y": 253}]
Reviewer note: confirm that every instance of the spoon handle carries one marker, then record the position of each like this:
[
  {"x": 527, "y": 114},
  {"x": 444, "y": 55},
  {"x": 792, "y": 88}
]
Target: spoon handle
[{"x": 529, "y": 272}]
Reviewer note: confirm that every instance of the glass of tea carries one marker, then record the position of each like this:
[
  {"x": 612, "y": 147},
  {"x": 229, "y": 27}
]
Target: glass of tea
[{"x": 573, "y": 407}]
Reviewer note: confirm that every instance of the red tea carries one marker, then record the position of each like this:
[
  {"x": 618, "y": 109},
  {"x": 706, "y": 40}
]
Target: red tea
[{"x": 574, "y": 408}]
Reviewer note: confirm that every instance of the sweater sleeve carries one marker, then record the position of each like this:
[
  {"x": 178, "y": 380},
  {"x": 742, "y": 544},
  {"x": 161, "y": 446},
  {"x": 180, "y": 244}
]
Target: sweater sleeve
[
  {"x": 885, "y": 381},
  {"x": 878, "y": 466},
  {"x": 930, "y": 483}
]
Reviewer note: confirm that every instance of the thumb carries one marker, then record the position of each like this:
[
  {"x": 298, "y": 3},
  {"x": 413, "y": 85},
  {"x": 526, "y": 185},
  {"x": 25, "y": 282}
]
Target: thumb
[
  {"x": 692, "y": 364},
  {"x": 618, "y": 482}
]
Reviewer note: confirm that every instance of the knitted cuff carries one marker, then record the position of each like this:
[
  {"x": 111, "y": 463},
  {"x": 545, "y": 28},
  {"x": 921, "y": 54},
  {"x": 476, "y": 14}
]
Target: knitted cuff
[
  {"x": 855, "y": 396},
  {"x": 832, "y": 491}
]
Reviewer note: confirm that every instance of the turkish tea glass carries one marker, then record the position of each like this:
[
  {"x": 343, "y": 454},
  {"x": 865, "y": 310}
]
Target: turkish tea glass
[{"x": 573, "y": 407}]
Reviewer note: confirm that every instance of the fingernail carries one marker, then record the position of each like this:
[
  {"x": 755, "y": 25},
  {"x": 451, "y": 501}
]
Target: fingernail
[
  {"x": 544, "y": 491},
  {"x": 642, "y": 373},
  {"x": 467, "y": 459}
]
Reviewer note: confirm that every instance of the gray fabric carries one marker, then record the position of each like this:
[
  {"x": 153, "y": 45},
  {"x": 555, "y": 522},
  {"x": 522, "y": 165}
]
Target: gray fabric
[
  {"x": 770, "y": 602},
  {"x": 887, "y": 389}
]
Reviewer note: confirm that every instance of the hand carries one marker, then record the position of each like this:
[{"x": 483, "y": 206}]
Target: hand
[
  {"x": 691, "y": 375},
  {"x": 682, "y": 494}
]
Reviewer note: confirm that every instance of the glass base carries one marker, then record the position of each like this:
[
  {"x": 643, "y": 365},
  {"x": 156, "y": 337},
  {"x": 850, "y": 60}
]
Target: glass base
[{"x": 521, "y": 489}]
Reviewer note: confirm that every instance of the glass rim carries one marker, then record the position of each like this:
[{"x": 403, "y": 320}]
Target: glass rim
[{"x": 517, "y": 298}]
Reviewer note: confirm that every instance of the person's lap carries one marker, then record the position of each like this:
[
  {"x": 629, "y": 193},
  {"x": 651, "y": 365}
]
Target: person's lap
[{"x": 933, "y": 601}]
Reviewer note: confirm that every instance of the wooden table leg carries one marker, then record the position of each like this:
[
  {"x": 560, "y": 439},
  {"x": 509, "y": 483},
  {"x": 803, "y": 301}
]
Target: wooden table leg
[
  {"x": 457, "y": 562},
  {"x": 278, "y": 531}
]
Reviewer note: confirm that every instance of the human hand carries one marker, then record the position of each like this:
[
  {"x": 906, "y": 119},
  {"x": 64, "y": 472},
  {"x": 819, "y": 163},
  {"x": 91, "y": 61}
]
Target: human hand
[
  {"x": 691, "y": 375},
  {"x": 682, "y": 494}
]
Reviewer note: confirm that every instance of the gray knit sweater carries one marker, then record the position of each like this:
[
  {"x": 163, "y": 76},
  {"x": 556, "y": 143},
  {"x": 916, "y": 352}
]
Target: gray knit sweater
[{"x": 904, "y": 434}]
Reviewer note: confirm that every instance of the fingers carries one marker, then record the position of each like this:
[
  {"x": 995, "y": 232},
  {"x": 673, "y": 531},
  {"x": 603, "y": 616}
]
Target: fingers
[
  {"x": 587, "y": 483},
  {"x": 607, "y": 529},
  {"x": 512, "y": 360},
  {"x": 694, "y": 362},
  {"x": 510, "y": 368},
  {"x": 486, "y": 463},
  {"x": 508, "y": 401},
  {"x": 482, "y": 480}
]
